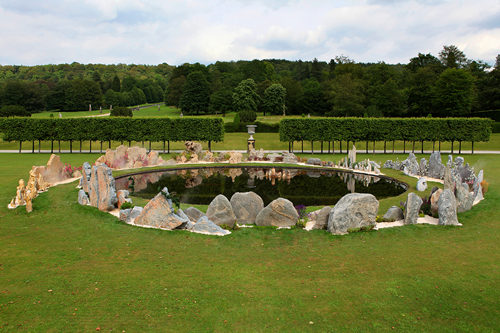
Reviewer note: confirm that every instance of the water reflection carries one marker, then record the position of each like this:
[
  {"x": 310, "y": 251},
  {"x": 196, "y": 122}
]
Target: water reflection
[{"x": 301, "y": 186}]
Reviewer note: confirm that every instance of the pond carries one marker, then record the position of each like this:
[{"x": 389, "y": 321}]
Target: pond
[{"x": 302, "y": 186}]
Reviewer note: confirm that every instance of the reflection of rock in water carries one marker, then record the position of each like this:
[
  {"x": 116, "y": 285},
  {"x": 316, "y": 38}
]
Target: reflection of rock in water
[
  {"x": 193, "y": 182},
  {"x": 351, "y": 184},
  {"x": 233, "y": 173}
]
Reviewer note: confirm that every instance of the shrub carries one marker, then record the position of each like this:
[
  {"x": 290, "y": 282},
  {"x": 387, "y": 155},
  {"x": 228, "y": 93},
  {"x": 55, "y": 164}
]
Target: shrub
[
  {"x": 14, "y": 111},
  {"x": 126, "y": 205},
  {"x": 247, "y": 116},
  {"x": 121, "y": 111}
]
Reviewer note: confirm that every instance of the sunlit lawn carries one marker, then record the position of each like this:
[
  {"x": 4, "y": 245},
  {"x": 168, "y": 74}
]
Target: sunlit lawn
[{"x": 65, "y": 267}]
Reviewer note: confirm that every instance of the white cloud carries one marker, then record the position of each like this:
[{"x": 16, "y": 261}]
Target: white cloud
[{"x": 156, "y": 31}]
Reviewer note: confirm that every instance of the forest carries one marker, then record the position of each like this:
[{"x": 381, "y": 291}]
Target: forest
[{"x": 444, "y": 85}]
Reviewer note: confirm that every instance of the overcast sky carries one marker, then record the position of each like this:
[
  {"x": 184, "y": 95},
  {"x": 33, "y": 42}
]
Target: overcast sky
[{"x": 173, "y": 31}]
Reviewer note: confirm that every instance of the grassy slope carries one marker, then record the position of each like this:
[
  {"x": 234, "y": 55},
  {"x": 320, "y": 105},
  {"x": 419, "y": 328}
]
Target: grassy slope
[{"x": 102, "y": 273}]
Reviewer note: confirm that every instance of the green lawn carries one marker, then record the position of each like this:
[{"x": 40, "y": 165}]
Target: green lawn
[{"x": 65, "y": 267}]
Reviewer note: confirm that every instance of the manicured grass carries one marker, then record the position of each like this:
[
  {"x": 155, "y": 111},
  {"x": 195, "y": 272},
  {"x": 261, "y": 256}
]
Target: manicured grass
[
  {"x": 75, "y": 114},
  {"x": 65, "y": 267}
]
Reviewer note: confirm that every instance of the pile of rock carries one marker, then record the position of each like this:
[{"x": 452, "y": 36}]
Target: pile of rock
[
  {"x": 130, "y": 157},
  {"x": 40, "y": 179}
]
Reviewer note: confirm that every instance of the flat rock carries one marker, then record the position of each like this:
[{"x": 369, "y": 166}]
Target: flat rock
[
  {"x": 221, "y": 212},
  {"x": 353, "y": 212},
  {"x": 194, "y": 213},
  {"x": 413, "y": 204},
  {"x": 447, "y": 208},
  {"x": 313, "y": 161},
  {"x": 246, "y": 206},
  {"x": 207, "y": 227},
  {"x": 279, "y": 213},
  {"x": 394, "y": 213}
]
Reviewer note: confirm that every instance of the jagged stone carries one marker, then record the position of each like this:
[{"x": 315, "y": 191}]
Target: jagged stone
[
  {"x": 353, "y": 212},
  {"x": 436, "y": 167},
  {"x": 122, "y": 196},
  {"x": 102, "y": 188},
  {"x": 85, "y": 180},
  {"x": 279, "y": 213},
  {"x": 434, "y": 200},
  {"x": 290, "y": 158},
  {"x": 130, "y": 214},
  {"x": 194, "y": 213},
  {"x": 421, "y": 184},
  {"x": 411, "y": 165},
  {"x": 394, "y": 213},
  {"x": 159, "y": 213},
  {"x": 464, "y": 198},
  {"x": 412, "y": 208},
  {"x": 83, "y": 199},
  {"x": 447, "y": 208},
  {"x": 320, "y": 217},
  {"x": 246, "y": 206},
  {"x": 207, "y": 227}
]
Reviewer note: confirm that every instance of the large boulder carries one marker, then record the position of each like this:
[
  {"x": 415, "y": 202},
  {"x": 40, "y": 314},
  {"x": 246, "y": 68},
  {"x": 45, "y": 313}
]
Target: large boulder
[
  {"x": 394, "y": 213},
  {"x": 423, "y": 167},
  {"x": 353, "y": 212},
  {"x": 447, "y": 208},
  {"x": 274, "y": 157},
  {"x": 194, "y": 213},
  {"x": 235, "y": 157},
  {"x": 464, "y": 198},
  {"x": 279, "y": 213},
  {"x": 256, "y": 155},
  {"x": 207, "y": 227},
  {"x": 221, "y": 212},
  {"x": 436, "y": 167},
  {"x": 411, "y": 165},
  {"x": 290, "y": 158},
  {"x": 412, "y": 208},
  {"x": 246, "y": 206},
  {"x": 320, "y": 217},
  {"x": 434, "y": 200},
  {"x": 159, "y": 213},
  {"x": 193, "y": 147},
  {"x": 54, "y": 169},
  {"x": 421, "y": 184},
  {"x": 102, "y": 188},
  {"x": 83, "y": 199}
]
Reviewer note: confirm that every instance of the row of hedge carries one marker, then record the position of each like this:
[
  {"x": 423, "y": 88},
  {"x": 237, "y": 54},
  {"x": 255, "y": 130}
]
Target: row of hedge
[
  {"x": 386, "y": 129},
  {"x": 261, "y": 127},
  {"x": 116, "y": 129}
]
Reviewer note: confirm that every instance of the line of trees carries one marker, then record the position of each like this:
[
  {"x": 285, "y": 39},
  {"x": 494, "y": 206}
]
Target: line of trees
[{"x": 448, "y": 84}]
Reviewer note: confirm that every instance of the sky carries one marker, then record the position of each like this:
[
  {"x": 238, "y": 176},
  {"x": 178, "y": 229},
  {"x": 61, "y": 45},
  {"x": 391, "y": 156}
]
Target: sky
[{"x": 172, "y": 31}]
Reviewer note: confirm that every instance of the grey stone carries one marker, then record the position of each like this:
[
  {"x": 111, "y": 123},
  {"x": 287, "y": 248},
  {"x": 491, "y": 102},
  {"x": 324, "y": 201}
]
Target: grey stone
[
  {"x": 421, "y": 184},
  {"x": 274, "y": 157},
  {"x": 256, "y": 155},
  {"x": 314, "y": 161},
  {"x": 85, "y": 180},
  {"x": 447, "y": 208},
  {"x": 185, "y": 219},
  {"x": 375, "y": 165},
  {"x": 102, "y": 192},
  {"x": 436, "y": 167},
  {"x": 194, "y": 213},
  {"x": 394, "y": 213},
  {"x": 290, "y": 158},
  {"x": 434, "y": 200},
  {"x": 464, "y": 198},
  {"x": 411, "y": 164},
  {"x": 465, "y": 172},
  {"x": 353, "y": 211},
  {"x": 221, "y": 212},
  {"x": 246, "y": 206},
  {"x": 129, "y": 215},
  {"x": 122, "y": 196},
  {"x": 320, "y": 217},
  {"x": 279, "y": 213},
  {"x": 207, "y": 227},
  {"x": 83, "y": 199},
  {"x": 412, "y": 208},
  {"x": 422, "y": 168},
  {"x": 159, "y": 213},
  {"x": 478, "y": 190},
  {"x": 449, "y": 182}
]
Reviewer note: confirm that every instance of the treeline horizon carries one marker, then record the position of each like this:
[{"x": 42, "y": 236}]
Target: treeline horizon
[{"x": 446, "y": 85}]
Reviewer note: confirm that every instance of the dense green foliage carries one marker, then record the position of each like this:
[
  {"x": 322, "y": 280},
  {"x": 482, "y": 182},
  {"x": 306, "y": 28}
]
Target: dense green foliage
[
  {"x": 196, "y": 94},
  {"x": 385, "y": 129},
  {"x": 247, "y": 116},
  {"x": 245, "y": 96},
  {"x": 117, "y": 129},
  {"x": 274, "y": 99},
  {"x": 121, "y": 111},
  {"x": 14, "y": 111}
]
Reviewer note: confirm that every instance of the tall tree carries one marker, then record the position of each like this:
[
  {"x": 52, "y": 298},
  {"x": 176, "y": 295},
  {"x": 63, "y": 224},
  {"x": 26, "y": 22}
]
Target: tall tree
[
  {"x": 452, "y": 57},
  {"x": 174, "y": 90},
  {"x": 274, "y": 99},
  {"x": 116, "y": 85},
  {"x": 347, "y": 96},
  {"x": 453, "y": 93},
  {"x": 196, "y": 95},
  {"x": 221, "y": 101},
  {"x": 245, "y": 96}
]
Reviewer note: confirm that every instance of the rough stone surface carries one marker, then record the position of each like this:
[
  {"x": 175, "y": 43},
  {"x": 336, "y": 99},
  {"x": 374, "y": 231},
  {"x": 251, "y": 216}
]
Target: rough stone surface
[
  {"x": 102, "y": 188},
  {"x": 421, "y": 184},
  {"x": 246, "y": 206},
  {"x": 449, "y": 182},
  {"x": 159, "y": 213},
  {"x": 412, "y": 208},
  {"x": 235, "y": 157},
  {"x": 54, "y": 170},
  {"x": 86, "y": 173},
  {"x": 279, "y": 213},
  {"x": 83, "y": 199},
  {"x": 320, "y": 217},
  {"x": 122, "y": 196},
  {"x": 436, "y": 167},
  {"x": 447, "y": 208},
  {"x": 394, "y": 213},
  {"x": 256, "y": 155},
  {"x": 314, "y": 161},
  {"x": 274, "y": 157},
  {"x": 221, "y": 212},
  {"x": 353, "y": 211},
  {"x": 434, "y": 200},
  {"x": 290, "y": 158},
  {"x": 464, "y": 198},
  {"x": 194, "y": 214},
  {"x": 411, "y": 165},
  {"x": 193, "y": 147},
  {"x": 207, "y": 227},
  {"x": 129, "y": 215},
  {"x": 423, "y": 167}
]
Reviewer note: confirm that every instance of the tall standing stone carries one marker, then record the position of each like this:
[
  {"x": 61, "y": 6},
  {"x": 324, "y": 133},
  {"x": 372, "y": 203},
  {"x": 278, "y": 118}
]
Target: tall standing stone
[
  {"x": 86, "y": 173},
  {"x": 464, "y": 198},
  {"x": 436, "y": 167},
  {"x": 447, "y": 208},
  {"x": 412, "y": 208},
  {"x": 102, "y": 188},
  {"x": 221, "y": 212}
]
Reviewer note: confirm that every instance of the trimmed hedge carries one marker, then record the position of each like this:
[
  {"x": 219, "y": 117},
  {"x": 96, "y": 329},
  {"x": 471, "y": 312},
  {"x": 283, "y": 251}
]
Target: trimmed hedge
[
  {"x": 116, "y": 129},
  {"x": 385, "y": 129},
  {"x": 261, "y": 127}
]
